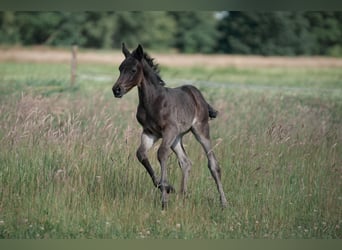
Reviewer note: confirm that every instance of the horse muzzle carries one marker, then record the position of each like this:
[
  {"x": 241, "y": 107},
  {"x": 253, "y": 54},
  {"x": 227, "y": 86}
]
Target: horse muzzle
[{"x": 118, "y": 92}]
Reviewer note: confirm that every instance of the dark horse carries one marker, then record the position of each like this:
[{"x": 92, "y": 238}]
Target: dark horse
[{"x": 166, "y": 113}]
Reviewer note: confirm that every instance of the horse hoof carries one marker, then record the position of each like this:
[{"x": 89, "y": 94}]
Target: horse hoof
[{"x": 169, "y": 189}]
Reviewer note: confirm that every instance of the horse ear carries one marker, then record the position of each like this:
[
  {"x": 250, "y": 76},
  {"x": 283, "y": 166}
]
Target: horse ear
[
  {"x": 125, "y": 50},
  {"x": 139, "y": 53}
]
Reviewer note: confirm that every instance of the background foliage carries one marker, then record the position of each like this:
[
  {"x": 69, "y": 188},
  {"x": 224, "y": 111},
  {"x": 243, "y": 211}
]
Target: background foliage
[{"x": 268, "y": 33}]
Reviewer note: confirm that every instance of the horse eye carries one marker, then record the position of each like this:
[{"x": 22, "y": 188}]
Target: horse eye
[{"x": 133, "y": 70}]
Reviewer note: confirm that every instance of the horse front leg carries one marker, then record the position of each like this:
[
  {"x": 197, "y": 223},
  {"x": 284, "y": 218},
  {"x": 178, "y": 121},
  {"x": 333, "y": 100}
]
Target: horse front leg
[{"x": 147, "y": 142}]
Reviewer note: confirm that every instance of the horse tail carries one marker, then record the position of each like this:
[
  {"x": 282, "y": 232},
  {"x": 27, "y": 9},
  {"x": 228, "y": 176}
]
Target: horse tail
[{"x": 212, "y": 112}]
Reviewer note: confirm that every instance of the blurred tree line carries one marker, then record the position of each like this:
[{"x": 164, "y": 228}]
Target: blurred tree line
[{"x": 269, "y": 33}]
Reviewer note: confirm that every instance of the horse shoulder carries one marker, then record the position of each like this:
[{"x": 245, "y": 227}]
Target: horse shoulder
[{"x": 141, "y": 115}]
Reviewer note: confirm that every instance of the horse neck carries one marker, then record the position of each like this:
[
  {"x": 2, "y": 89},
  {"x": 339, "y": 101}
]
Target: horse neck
[{"x": 149, "y": 89}]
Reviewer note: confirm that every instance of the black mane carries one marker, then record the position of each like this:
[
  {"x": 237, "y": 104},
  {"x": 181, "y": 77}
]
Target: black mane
[{"x": 154, "y": 66}]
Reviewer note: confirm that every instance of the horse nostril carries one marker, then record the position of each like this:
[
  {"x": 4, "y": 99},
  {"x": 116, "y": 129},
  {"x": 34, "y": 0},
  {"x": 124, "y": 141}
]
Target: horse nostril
[{"x": 117, "y": 92}]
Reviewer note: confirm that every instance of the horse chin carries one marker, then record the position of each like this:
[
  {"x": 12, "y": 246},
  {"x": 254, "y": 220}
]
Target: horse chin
[{"x": 118, "y": 96}]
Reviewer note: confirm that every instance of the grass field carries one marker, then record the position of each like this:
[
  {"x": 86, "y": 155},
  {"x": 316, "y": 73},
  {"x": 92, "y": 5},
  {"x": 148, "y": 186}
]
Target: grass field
[{"x": 68, "y": 166}]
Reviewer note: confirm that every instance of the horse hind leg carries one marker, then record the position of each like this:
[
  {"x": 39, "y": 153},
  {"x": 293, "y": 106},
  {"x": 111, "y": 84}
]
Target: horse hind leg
[
  {"x": 201, "y": 132},
  {"x": 184, "y": 163}
]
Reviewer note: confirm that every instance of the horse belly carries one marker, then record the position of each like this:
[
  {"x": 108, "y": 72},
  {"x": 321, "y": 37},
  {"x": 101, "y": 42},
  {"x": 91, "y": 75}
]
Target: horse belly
[{"x": 185, "y": 118}]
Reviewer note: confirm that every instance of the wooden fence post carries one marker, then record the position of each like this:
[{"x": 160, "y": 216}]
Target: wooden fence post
[{"x": 73, "y": 65}]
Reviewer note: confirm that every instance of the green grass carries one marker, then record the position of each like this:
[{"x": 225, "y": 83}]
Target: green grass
[{"x": 68, "y": 166}]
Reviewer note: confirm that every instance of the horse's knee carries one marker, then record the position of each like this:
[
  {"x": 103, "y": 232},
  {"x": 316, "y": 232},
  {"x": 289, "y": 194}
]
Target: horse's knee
[
  {"x": 162, "y": 154},
  {"x": 186, "y": 166},
  {"x": 218, "y": 170},
  {"x": 140, "y": 154}
]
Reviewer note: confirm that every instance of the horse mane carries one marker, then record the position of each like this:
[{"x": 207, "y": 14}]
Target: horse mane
[{"x": 154, "y": 66}]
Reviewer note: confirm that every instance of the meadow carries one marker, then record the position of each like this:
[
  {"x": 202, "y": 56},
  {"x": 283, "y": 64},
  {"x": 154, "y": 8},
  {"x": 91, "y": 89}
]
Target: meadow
[{"x": 68, "y": 167}]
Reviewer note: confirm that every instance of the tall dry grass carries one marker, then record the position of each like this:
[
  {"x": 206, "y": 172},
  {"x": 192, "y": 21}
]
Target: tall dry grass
[{"x": 68, "y": 170}]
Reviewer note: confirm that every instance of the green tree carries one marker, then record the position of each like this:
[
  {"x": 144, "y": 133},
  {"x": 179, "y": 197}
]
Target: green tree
[
  {"x": 153, "y": 29},
  {"x": 99, "y": 29},
  {"x": 36, "y": 27},
  {"x": 9, "y": 32},
  {"x": 51, "y": 28},
  {"x": 327, "y": 29},
  {"x": 268, "y": 33},
  {"x": 280, "y": 33},
  {"x": 68, "y": 30},
  {"x": 196, "y": 31}
]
